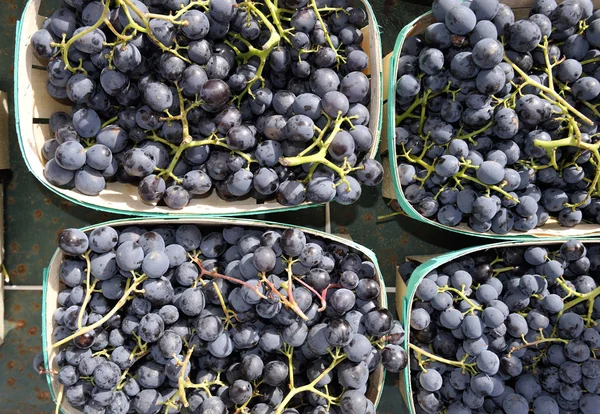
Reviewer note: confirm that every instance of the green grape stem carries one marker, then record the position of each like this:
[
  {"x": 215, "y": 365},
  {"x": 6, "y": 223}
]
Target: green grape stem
[
  {"x": 89, "y": 288},
  {"x": 267, "y": 48},
  {"x": 64, "y": 46},
  {"x": 229, "y": 314},
  {"x": 464, "y": 297},
  {"x": 536, "y": 343},
  {"x": 589, "y": 297},
  {"x": 459, "y": 364},
  {"x": 59, "y": 398},
  {"x": 184, "y": 382},
  {"x": 559, "y": 101},
  {"x": 337, "y": 358},
  {"x": 146, "y": 29},
  {"x": 320, "y": 157},
  {"x": 137, "y": 281},
  {"x": 570, "y": 141},
  {"x": 187, "y": 141},
  {"x": 313, "y": 4}
]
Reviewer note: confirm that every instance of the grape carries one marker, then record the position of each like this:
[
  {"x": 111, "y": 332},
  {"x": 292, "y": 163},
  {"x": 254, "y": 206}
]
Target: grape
[
  {"x": 70, "y": 155},
  {"x": 106, "y": 375},
  {"x": 431, "y": 61},
  {"x": 460, "y": 20},
  {"x": 408, "y": 86},
  {"x": 441, "y": 7},
  {"x": 487, "y": 53},
  {"x": 524, "y": 36},
  {"x": 564, "y": 16},
  {"x": 586, "y": 89}
]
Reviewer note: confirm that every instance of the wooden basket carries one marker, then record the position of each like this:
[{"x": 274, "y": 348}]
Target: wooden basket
[
  {"x": 392, "y": 188},
  {"x": 405, "y": 293},
  {"x": 52, "y": 287},
  {"x": 33, "y": 108}
]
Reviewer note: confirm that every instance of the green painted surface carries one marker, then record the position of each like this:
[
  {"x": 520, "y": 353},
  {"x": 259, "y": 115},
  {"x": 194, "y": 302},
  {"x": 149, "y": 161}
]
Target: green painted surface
[{"x": 34, "y": 216}]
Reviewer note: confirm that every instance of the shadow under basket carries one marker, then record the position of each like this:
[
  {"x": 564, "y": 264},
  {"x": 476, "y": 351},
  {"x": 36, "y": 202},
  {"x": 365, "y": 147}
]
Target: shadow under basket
[
  {"x": 52, "y": 286},
  {"x": 392, "y": 188},
  {"x": 34, "y": 106}
]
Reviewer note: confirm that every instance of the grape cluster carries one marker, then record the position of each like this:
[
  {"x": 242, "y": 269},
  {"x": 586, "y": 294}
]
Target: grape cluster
[
  {"x": 218, "y": 320},
  {"x": 497, "y": 119},
  {"x": 179, "y": 97},
  {"x": 509, "y": 330}
]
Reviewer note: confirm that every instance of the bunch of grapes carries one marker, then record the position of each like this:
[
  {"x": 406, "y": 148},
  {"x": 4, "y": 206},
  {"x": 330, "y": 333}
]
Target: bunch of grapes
[
  {"x": 179, "y": 97},
  {"x": 509, "y": 330},
  {"x": 497, "y": 119},
  {"x": 223, "y": 320}
]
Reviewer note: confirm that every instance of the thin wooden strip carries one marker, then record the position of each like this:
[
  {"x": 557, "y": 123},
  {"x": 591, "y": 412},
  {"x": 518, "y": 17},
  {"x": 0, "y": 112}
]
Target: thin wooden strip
[
  {"x": 387, "y": 185},
  {"x": 41, "y": 133},
  {"x": 386, "y": 75},
  {"x": 43, "y": 104},
  {"x": 24, "y": 90},
  {"x": 374, "y": 53},
  {"x": 366, "y": 45},
  {"x": 383, "y": 146}
]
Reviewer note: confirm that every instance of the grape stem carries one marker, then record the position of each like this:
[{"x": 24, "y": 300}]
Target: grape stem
[
  {"x": 548, "y": 91},
  {"x": 313, "y": 4},
  {"x": 88, "y": 288},
  {"x": 337, "y": 358},
  {"x": 229, "y": 314},
  {"x": 263, "y": 54},
  {"x": 320, "y": 156},
  {"x": 184, "y": 382},
  {"x": 499, "y": 270},
  {"x": 289, "y": 302},
  {"x": 535, "y": 343},
  {"x": 459, "y": 364},
  {"x": 464, "y": 297},
  {"x": 137, "y": 281},
  {"x": 590, "y": 296},
  {"x": 148, "y": 30},
  {"x": 188, "y": 141},
  {"x": 65, "y": 46},
  {"x": 59, "y": 398}
]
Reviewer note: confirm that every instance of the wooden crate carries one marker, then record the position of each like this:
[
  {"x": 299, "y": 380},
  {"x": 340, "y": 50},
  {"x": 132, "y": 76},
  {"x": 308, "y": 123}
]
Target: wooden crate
[
  {"x": 52, "y": 286},
  {"x": 33, "y": 107},
  {"x": 405, "y": 293},
  {"x": 391, "y": 185}
]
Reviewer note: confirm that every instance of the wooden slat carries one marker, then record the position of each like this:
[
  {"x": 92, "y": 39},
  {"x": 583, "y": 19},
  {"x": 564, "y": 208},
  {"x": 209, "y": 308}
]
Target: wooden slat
[
  {"x": 374, "y": 52},
  {"x": 386, "y": 75},
  {"x": 387, "y": 185},
  {"x": 41, "y": 133},
  {"x": 383, "y": 146},
  {"x": 43, "y": 104}
]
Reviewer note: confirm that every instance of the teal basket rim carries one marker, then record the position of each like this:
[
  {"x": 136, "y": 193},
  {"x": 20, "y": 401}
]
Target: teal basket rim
[
  {"x": 164, "y": 214},
  {"x": 423, "y": 270},
  {"x": 182, "y": 219},
  {"x": 392, "y": 154}
]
